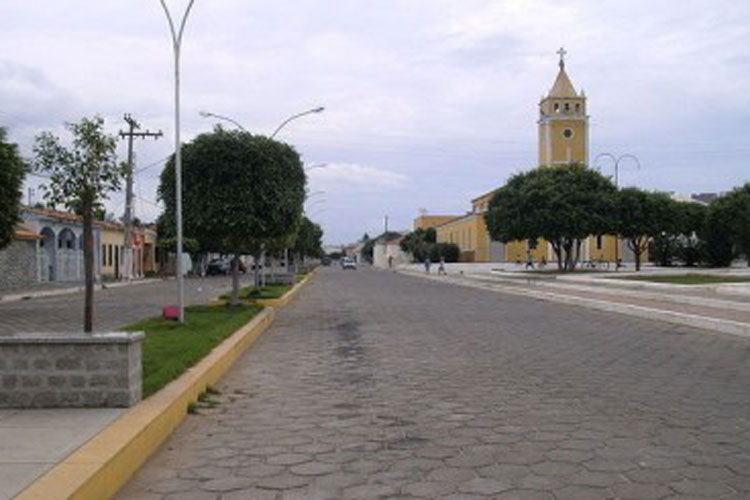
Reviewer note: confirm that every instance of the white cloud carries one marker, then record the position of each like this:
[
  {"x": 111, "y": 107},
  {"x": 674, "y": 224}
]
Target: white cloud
[{"x": 334, "y": 177}]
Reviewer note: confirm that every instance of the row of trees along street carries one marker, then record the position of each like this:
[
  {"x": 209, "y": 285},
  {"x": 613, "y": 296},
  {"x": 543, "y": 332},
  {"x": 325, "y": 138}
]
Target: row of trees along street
[
  {"x": 566, "y": 204},
  {"x": 243, "y": 194}
]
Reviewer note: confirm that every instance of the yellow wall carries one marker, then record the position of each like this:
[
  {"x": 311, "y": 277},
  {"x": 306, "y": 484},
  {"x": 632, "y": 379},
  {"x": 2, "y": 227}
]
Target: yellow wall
[
  {"x": 518, "y": 251},
  {"x": 471, "y": 236},
  {"x": 112, "y": 241},
  {"x": 427, "y": 221}
]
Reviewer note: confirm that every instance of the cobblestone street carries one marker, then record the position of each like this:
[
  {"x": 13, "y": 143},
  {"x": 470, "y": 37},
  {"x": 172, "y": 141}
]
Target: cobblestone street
[{"x": 380, "y": 385}]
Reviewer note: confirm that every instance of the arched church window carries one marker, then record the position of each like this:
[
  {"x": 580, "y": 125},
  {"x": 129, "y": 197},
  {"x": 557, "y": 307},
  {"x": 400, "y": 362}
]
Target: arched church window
[
  {"x": 578, "y": 107},
  {"x": 557, "y": 107},
  {"x": 567, "y": 106}
]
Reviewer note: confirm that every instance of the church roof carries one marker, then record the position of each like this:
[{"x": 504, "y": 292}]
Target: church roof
[{"x": 562, "y": 87}]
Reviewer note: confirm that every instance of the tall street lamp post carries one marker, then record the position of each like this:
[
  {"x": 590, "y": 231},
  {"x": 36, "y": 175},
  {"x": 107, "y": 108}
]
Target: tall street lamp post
[
  {"x": 616, "y": 160},
  {"x": 176, "y": 43}
]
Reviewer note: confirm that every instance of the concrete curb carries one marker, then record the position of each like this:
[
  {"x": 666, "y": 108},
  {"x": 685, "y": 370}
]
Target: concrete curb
[
  {"x": 285, "y": 299},
  {"x": 692, "y": 320},
  {"x": 99, "y": 468},
  {"x": 74, "y": 289}
]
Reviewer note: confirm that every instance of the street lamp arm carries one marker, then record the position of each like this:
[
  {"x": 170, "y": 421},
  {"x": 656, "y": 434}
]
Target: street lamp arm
[
  {"x": 207, "y": 114},
  {"x": 294, "y": 117}
]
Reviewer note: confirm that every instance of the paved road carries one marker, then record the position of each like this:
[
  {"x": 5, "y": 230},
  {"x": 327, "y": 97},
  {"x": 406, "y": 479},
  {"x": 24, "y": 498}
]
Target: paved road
[
  {"x": 380, "y": 385},
  {"x": 113, "y": 307}
]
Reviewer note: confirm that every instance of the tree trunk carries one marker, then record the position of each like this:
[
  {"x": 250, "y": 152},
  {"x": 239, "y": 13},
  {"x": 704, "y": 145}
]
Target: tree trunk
[
  {"x": 256, "y": 270},
  {"x": 286, "y": 261},
  {"x": 88, "y": 267},
  {"x": 235, "y": 280},
  {"x": 557, "y": 248},
  {"x": 635, "y": 246}
]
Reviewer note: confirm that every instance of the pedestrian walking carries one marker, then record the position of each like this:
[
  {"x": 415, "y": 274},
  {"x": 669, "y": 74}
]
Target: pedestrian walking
[
  {"x": 427, "y": 265},
  {"x": 441, "y": 266},
  {"x": 530, "y": 261}
]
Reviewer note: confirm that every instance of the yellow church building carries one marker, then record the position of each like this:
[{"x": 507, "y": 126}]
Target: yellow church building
[{"x": 563, "y": 138}]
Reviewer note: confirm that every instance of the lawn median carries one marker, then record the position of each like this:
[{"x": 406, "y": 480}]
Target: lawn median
[{"x": 170, "y": 348}]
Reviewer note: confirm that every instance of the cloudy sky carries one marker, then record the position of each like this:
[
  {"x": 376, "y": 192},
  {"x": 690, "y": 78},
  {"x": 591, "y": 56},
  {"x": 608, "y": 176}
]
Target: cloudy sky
[{"x": 428, "y": 102}]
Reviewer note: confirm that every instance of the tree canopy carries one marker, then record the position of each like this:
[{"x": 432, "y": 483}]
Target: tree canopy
[
  {"x": 562, "y": 204},
  {"x": 240, "y": 192},
  {"x": 12, "y": 173}
]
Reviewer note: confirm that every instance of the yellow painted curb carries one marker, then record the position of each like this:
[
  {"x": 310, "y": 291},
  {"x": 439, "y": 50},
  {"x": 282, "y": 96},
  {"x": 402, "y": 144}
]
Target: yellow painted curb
[
  {"x": 99, "y": 468},
  {"x": 285, "y": 299}
]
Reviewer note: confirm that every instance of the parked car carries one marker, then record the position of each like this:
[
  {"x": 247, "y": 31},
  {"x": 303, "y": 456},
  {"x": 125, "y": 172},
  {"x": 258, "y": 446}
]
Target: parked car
[
  {"x": 347, "y": 263},
  {"x": 222, "y": 266},
  {"x": 218, "y": 266},
  {"x": 326, "y": 261}
]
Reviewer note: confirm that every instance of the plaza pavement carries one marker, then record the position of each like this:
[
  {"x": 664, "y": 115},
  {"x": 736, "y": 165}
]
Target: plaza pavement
[
  {"x": 381, "y": 385},
  {"x": 33, "y": 441}
]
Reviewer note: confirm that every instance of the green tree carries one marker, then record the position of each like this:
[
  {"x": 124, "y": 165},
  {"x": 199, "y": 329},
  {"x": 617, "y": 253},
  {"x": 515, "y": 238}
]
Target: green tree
[
  {"x": 419, "y": 243},
  {"x": 80, "y": 178},
  {"x": 736, "y": 205},
  {"x": 640, "y": 216},
  {"x": 562, "y": 204},
  {"x": 719, "y": 250},
  {"x": 12, "y": 173},
  {"x": 239, "y": 192}
]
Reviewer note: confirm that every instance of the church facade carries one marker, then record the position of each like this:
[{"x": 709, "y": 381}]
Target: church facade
[{"x": 563, "y": 129}]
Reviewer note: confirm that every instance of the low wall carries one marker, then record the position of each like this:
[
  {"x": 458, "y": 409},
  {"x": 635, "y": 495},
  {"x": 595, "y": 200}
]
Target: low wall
[{"x": 70, "y": 370}]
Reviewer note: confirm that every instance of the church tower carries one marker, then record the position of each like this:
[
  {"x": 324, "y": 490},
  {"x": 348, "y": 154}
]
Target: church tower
[{"x": 563, "y": 123}]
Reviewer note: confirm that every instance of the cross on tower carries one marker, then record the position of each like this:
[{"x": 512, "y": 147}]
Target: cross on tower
[{"x": 562, "y": 53}]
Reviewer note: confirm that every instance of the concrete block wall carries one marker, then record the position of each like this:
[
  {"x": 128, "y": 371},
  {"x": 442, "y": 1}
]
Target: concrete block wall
[
  {"x": 18, "y": 265},
  {"x": 70, "y": 370}
]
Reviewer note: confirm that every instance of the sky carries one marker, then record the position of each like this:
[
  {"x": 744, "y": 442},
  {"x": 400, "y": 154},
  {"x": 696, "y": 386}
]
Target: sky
[{"x": 428, "y": 103}]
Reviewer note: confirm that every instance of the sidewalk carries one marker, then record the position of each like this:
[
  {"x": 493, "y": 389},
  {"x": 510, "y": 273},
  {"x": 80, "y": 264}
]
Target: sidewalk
[
  {"x": 56, "y": 288},
  {"x": 34, "y": 441},
  {"x": 681, "y": 305}
]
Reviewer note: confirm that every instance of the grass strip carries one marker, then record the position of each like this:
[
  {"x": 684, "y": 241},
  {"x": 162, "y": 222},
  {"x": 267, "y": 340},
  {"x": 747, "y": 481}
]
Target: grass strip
[
  {"x": 689, "y": 279},
  {"x": 170, "y": 348}
]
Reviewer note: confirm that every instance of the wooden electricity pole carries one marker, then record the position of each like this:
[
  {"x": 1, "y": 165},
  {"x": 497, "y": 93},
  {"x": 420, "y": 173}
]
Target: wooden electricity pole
[{"x": 128, "y": 218}]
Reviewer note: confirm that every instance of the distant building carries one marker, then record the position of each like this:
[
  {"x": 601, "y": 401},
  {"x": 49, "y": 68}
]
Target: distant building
[
  {"x": 48, "y": 247},
  {"x": 387, "y": 249}
]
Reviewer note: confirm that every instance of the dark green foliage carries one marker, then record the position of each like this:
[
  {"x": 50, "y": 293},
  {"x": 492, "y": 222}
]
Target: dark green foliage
[
  {"x": 239, "y": 190},
  {"x": 309, "y": 239},
  {"x": 421, "y": 243},
  {"x": 732, "y": 213},
  {"x": 418, "y": 243},
  {"x": 562, "y": 204},
  {"x": 719, "y": 232},
  {"x": 12, "y": 173},
  {"x": 678, "y": 240},
  {"x": 448, "y": 251},
  {"x": 640, "y": 216}
]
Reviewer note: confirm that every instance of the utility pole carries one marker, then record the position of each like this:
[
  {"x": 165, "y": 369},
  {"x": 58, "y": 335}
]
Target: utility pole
[
  {"x": 386, "y": 223},
  {"x": 128, "y": 219}
]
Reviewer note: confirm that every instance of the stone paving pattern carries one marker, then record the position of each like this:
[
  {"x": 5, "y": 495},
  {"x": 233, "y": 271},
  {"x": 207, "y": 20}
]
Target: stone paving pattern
[{"x": 379, "y": 385}]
